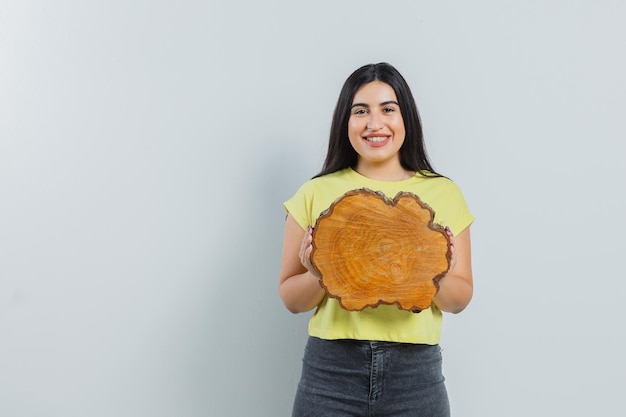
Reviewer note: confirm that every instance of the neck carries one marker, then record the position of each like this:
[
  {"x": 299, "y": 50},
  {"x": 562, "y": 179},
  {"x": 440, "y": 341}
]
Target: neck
[{"x": 383, "y": 172}]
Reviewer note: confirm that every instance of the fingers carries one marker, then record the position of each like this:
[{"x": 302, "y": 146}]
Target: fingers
[
  {"x": 450, "y": 236},
  {"x": 306, "y": 248},
  {"x": 309, "y": 237},
  {"x": 305, "y": 257},
  {"x": 307, "y": 240},
  {"x": 452, "y": 249}
]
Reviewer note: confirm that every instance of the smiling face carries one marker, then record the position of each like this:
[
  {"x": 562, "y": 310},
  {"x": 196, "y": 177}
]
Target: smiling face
[{"x": 376, "y": 128}]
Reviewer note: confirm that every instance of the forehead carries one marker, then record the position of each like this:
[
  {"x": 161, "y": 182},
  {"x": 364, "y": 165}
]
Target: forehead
[{"x": 374, "y": 92}]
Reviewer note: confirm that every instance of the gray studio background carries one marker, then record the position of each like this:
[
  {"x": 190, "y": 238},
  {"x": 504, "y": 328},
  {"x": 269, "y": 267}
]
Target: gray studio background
[{"x": 146, "y": 148}]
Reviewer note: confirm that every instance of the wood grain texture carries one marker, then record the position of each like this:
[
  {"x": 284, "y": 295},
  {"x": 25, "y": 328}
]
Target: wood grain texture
[{"x": 372, "y": 250}]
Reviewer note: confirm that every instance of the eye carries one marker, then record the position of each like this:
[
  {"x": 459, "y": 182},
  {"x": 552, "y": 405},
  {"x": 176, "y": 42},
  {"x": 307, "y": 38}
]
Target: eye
[
  {"x": 389, "y": 109},
  {"x": 359, "y": 111}
]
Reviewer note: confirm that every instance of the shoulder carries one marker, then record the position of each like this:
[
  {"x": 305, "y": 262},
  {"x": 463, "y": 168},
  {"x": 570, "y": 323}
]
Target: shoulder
[
  {"x": 439, "y": 192},
  {"x": 327, "y": 180},
  {"x": 440, "y": 182}
]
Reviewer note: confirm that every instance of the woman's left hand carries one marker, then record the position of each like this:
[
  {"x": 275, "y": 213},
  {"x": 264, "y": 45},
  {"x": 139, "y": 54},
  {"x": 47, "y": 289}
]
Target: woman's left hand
[
  {"x": 452, "y": 249},
  {"x": 456, "y": 287}
]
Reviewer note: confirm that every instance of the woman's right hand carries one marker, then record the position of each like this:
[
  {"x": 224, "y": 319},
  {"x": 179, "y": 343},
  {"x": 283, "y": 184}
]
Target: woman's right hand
[
  {"x": 299, "y": 282},
  {"x": 306, "y": 247}
]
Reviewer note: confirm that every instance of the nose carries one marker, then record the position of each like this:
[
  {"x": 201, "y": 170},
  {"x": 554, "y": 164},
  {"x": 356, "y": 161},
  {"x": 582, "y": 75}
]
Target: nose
[{"x": 374, "y": 122}]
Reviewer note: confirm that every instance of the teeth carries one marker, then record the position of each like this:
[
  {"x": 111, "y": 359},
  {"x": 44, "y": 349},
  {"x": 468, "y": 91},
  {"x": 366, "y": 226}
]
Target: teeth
[{"x": 377, "y": 138}]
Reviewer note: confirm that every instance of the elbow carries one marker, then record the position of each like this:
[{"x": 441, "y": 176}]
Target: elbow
[
  {"x": 461, "y": 304},
  {"x": 454, "y": 304},
  {"x": 452, "y": 308},
  {"x": 297, "y": 306},
  {"x": 288, "y": 301},
  {"x": 291, "y": 308},
  {"x": 457, "y": 309},
  {"x": 288, "y": 305},
  {"x": 295, "y": 309},
  {"x": 300, "y": 295}
]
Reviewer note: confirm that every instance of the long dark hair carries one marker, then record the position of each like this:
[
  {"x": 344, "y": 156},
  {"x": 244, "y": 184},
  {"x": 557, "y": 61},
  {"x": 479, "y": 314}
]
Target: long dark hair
[{"x": 340, "y": 155}]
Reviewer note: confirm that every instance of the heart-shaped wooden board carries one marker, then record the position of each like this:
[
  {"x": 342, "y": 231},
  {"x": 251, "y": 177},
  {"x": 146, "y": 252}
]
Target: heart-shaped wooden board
[{"x": 372, "y": 250}]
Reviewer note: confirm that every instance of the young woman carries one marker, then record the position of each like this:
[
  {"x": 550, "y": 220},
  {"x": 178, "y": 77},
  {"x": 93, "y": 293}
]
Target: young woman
[{"x": 380, "y": 361}]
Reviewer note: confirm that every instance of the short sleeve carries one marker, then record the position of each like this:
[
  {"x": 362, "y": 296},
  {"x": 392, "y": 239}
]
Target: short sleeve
[
  {"x": 458, "y": 215},
  {"x": 299, "y": 205}
]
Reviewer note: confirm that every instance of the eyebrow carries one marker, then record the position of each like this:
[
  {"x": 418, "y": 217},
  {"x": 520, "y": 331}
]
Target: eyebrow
[{"x": 384, "y": 103}]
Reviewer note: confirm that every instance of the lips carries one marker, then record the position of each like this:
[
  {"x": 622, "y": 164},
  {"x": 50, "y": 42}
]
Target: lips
[
  {"x": 377, "y": 141},
  {"x": 376, "y": 138}
]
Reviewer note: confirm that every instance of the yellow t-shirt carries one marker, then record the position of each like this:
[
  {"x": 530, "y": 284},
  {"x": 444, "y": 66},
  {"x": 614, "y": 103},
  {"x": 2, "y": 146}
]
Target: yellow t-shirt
[{"x": 385, "y": 322}]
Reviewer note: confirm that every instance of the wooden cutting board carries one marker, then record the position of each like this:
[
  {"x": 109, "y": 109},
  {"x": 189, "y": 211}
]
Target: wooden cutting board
[{"x": 372, "y": 250}]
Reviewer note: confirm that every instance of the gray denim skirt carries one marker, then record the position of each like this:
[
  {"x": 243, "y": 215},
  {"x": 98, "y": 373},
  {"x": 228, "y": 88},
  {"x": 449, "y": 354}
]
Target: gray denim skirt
[{"x": 369, "y": 378}]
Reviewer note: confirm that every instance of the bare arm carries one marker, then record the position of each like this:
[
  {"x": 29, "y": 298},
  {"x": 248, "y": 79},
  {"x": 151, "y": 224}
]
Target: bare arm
[
  {"x": 298, "y": 287},
  {"x": 456, "y": 288}
]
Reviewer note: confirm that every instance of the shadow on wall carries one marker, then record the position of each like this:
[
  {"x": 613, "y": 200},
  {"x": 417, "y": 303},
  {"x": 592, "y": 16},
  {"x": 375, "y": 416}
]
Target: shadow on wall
[{"x": 250, "y": 350}]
